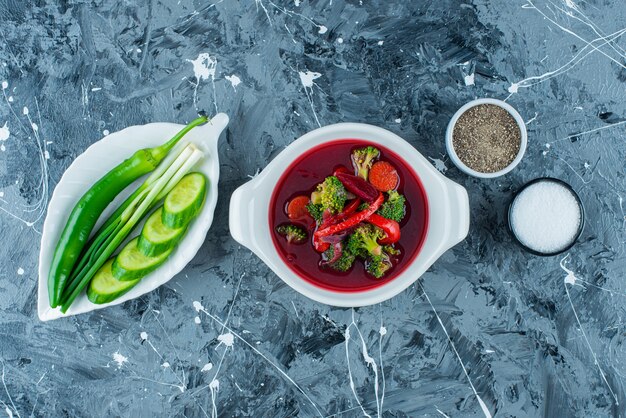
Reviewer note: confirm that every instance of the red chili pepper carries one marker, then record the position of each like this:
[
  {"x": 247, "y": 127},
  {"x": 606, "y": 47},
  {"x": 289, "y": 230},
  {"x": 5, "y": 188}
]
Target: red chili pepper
[
  {"x": 358, "y": 186},
  {"x": 347, "y": 211},
  {"x": 390, "y": 227},
  {"x": 332, "y": 220},
  {"x": 352, "y": 220},
  {"x": 318, "y": 245}
]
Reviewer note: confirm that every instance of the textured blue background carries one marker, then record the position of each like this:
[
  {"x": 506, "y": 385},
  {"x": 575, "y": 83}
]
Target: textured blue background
[{"x": 537, "y": 336}]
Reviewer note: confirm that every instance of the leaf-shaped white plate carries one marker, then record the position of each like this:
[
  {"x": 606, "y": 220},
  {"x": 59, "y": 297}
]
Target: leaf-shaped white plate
[{"x": 95, "y": 162}]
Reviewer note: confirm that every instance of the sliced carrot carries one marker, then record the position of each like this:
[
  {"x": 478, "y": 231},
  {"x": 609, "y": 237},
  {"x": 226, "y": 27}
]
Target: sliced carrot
[
  {"x": 383, "y": 176},
  {"x": 296, "y": 209}
]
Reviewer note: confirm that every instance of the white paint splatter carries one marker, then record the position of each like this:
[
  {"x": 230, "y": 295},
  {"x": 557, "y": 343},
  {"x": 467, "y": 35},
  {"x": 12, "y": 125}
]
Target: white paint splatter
[
  {"x": 2, "y": 148},
  {"x": 306, "y": 78},
  {"x": 380, "y": 43},
  {"x": 442, "y": 413},
  {"x": 143, "y": 335},
  {"x": 323, "y": 29},
  {"x": 513, "y": 88},
  {"x": 120, "y": 359},
  {"x": 227, "y": 339},
  {"x": 165, "y": 365},
  {"x": 339, "y": 40},
  {"x": 469, "y": 79},
  {"x": 214, "y": 386},
  {"x": 5, "y": 132},
  {"x": 206, "y": 367},
  {"x": 96, "y": 89},
  {"x": 398, "y": 120},
  {"x": 197, "y": 320},
  {"x": 571, "y": 279},
  {"x": 25, "y": 110},
  {"x": 10, "y": 99},
  {"x": 439, "y": 164},
  {"x": 20, "y": 271},
  {"x": 532, "y": 119},
  {"x": 105, "y": 132},
  {"x": 297, "y": 2},
  {"x": 34, "y": 126},
  {"x": 482, "y": 404},
  {"x": 198, "y": 306},
  {"x": 204, "y": 66},
  {"x": 234, "y": 80},
  {"x": 6, "y": 408},
  {"x": 382, "y": 330}
]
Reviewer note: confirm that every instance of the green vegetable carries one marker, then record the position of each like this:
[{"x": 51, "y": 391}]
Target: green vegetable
[
  {"x": 394, "y": 207},
  {"x": 157, "y": 238},
  {"x": 344, "y": 263},
  {"x": 292, "y": 233},
  {"x": 315, "y": 210},
  {"x": 88, "y": 209},
  {"x": 363, "y": 158},
  {"x": 364, "y": 241},
  {"x": 185, "y": 200},
  {"x": 332, "y": 195},
  {"x": 105, "y": 288},
  {"x": 131, "y": 264},
  {"x": 378, "y": 265},
  {"x": 122, "y": 222}
]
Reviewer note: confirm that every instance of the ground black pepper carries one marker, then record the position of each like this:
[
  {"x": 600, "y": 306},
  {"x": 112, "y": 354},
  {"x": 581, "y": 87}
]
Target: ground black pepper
[{"x": 486, "y": 138}]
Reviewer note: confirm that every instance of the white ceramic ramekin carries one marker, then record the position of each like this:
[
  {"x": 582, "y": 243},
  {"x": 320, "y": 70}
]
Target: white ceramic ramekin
[
  {"x": 455, "y": 158},
  {"x": 448, "y": 208}
]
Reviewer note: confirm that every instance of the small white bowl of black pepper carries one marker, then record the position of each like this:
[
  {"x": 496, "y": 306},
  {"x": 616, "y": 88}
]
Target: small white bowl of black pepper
[{"x": 486, "y": 138}]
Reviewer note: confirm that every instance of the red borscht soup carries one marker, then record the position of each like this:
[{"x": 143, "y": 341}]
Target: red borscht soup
[{"x": 311, "y": 248}]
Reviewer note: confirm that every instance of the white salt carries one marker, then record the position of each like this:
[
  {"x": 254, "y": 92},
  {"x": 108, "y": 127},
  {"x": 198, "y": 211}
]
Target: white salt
[{"x": 546, "y": 217}]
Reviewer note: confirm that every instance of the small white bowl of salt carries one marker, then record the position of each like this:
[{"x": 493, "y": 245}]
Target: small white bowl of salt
[{"x": 546, "y": 216}]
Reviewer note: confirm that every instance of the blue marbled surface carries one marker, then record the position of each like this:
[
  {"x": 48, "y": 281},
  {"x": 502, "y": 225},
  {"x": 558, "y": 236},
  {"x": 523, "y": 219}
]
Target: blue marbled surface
[{"x": 526, "y": 336}]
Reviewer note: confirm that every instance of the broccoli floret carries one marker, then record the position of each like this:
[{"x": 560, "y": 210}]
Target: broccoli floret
[
  {"x": 292, "y": 233},
  {"x": 364, "y": 241},
  {"x": 363, "y": 158},
  {"x": 344, "y": 263},
  {"x": 363, "y": 206},
  {"x": 394, "y": 207},
  {"x": 378, "y": 265},
  {"x": 330, "y": 194},
  {"x": 391, "y": 250},
  {"x": 315, "y": 210}
]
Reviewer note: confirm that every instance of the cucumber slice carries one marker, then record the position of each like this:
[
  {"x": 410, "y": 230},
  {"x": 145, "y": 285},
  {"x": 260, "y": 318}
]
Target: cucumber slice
[
  {"x": 157, "y": 238},
  {"x": 185, "y": 200},
  {"x": 131, "y": 264},
  {"x": 105, "y": 288}
]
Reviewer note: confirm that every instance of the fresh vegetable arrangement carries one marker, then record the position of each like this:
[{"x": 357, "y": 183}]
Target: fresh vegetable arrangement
[
  {"x": 79, "y": 259},
  {"x": 355, "y": 215}
]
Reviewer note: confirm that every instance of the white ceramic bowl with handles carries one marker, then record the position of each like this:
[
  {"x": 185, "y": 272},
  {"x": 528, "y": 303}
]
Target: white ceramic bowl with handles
[{"x": 448, "y": 209}]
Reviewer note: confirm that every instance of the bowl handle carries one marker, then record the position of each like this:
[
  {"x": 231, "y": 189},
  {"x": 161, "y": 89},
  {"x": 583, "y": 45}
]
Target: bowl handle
[
  {"x": 460, "y": 213},
  {"x": 240, "y": 214}
]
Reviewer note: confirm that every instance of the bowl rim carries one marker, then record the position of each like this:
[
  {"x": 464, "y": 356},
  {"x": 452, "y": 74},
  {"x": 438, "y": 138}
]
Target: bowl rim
[
  {"x": 448, "y": 204},
  {"x": 520, "y": 123},
  {"x": 581, "y": 226}
]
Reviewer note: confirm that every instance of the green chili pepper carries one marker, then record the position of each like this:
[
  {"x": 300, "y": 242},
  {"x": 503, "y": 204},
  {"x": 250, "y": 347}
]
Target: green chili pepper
[{"x": 91, "y": 205}]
